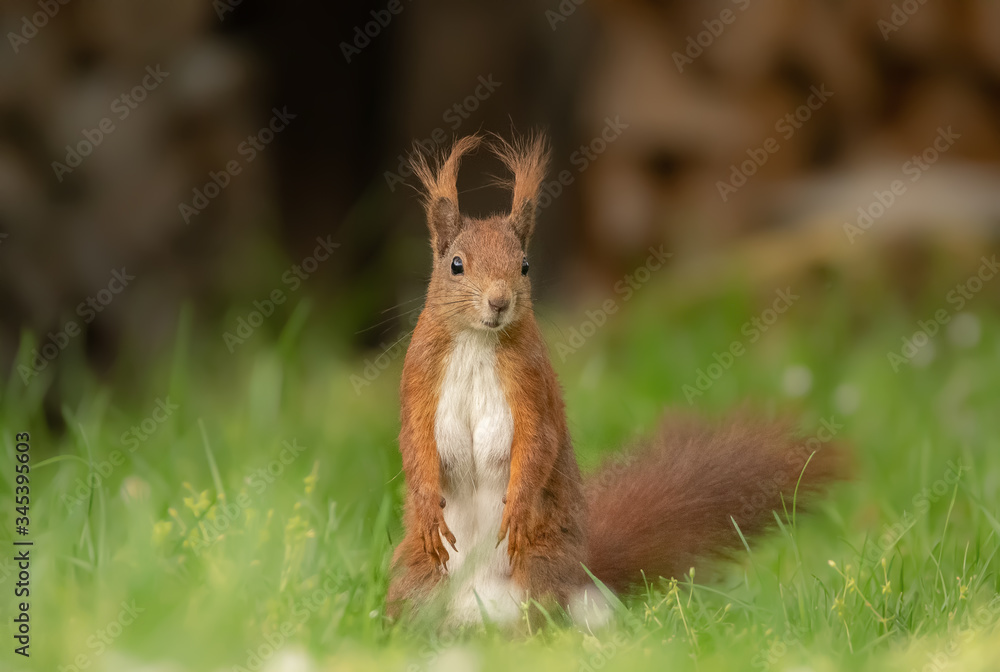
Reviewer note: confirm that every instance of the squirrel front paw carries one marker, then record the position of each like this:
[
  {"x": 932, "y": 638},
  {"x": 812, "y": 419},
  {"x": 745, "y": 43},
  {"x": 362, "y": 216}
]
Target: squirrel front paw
[
  {"x": 514, "y": 526},
  {"x": 432, "y": 529}
]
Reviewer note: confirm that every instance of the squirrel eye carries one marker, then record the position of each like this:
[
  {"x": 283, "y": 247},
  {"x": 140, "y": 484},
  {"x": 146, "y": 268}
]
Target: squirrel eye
[
  {"x": 456, "y": 266},
  {"x": 524, "y": 266}
]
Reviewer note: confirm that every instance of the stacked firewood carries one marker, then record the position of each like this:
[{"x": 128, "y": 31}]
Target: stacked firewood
[
  {"x": 747, "y": 115},
  {"x": 112, "y": 115},
  {"x": 683, "y": 123}
]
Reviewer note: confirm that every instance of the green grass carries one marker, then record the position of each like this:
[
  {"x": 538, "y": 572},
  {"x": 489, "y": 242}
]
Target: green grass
[{"x": 895, "y": 571}]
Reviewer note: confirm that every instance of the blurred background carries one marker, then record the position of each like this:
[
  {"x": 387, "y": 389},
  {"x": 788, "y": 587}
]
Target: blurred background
[
  {"x": 779, "y": 137},
  {"x": 209, "y": 238}
]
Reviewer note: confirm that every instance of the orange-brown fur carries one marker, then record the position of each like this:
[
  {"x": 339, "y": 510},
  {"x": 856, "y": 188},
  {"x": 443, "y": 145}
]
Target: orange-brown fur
[
  {"x": 660, "y": 512},
  {"x": 419, "y": 555},
  {"x": 544, "y": 511},
  {"x": 681, "y": 492}
]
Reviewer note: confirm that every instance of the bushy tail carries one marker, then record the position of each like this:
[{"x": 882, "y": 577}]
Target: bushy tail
[{"x": 668, "y": 506}]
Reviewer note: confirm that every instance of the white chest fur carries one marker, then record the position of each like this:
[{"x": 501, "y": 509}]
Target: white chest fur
[{"x": 474, "y": 429}]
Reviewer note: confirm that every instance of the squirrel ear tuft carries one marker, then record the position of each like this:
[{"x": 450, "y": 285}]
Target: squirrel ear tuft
[
  {"x": 440, "y": 190},
  {"x": 527, "y": 159}
]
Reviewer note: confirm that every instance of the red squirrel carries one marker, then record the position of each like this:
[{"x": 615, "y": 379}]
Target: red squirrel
[{"x": 496, "y": 511}]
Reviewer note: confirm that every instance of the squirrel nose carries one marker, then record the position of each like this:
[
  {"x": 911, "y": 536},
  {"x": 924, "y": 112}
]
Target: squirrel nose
[{"x": 499, "y": 305}]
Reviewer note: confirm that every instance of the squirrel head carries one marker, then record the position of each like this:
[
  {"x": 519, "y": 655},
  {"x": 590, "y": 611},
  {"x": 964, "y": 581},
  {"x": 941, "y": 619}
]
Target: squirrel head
[{"x": 480, "y": 277}]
